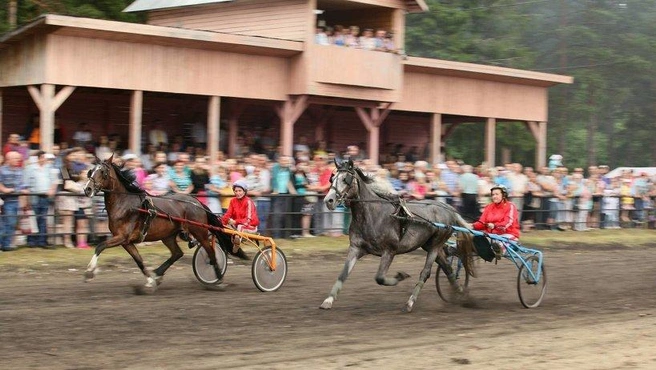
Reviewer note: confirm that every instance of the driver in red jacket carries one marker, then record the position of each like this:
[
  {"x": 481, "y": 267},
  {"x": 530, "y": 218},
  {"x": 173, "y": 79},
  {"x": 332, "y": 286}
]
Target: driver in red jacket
[
  {"x": 499, "y": 217},
  {"x": 241, "y": 214}
]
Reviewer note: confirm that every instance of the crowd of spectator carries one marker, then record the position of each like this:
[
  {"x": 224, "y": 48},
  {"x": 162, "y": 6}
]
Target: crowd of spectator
[
  {"x": 379, "y": 40},
  {"x": 287, "y": 189}
]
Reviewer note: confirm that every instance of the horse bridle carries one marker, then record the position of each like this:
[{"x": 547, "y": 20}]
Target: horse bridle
[
  {"x": 104, "y": 171},
  {"x": 348, "y": 180}
]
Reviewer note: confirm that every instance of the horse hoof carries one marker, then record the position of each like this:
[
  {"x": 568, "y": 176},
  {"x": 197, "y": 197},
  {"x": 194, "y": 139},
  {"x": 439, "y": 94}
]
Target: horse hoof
[
  {"x": 327, "y": 304},
  {"x": 408, "y": 307},
  {"x": 144, "y": 289},
  {"x": 89, "y": 275},
  {"x": 400, "y": 276}
]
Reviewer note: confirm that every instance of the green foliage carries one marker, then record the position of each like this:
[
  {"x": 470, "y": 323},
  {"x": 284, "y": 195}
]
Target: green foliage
[{"x": 606, "y": 116}]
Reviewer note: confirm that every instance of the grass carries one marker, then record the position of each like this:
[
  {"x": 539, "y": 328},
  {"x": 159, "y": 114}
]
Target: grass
[{"x": 29, "y": 259}]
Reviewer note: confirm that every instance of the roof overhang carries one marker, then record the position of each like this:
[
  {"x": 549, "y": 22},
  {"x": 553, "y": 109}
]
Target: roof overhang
[
  {"x": 484, "y": 72},
  {"x": 412, "y": 6},
  {"x": 143, "y": 33},
  {"x": 416, "y": 6},
  {"x": 145, "y": 5}
]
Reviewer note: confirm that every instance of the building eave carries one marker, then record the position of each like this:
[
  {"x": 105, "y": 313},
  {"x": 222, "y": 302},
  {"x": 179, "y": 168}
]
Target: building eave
[
  {"x": 133, "y": 32},
  {"x": 486, "y": 72}
]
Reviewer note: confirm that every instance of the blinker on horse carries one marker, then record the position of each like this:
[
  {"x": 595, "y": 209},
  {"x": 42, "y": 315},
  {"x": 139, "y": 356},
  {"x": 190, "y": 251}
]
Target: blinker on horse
[
  {"x": 383, "y": 225},
  {"x": 123, "y": 200}
]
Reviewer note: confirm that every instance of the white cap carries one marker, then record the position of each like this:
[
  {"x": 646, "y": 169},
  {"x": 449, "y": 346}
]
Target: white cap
[
  {"x": 129, "y": 157},
  {"x": 49, "y": 156}
]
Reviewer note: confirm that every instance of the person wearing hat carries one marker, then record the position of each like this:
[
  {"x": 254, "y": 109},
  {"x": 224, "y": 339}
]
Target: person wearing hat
[
  {"x": 499, "y": 217},
  {"x": 132, "y": 162},
  {"x": 241, "y": 214}
]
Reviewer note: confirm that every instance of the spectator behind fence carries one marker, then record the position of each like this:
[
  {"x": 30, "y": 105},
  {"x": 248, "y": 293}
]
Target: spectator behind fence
[
  {"x": 41, "y": 179},
  {"x": 11, "y": 184},
  {"x": 67, "y": 204},
  {"x": 281, "y": 183}
]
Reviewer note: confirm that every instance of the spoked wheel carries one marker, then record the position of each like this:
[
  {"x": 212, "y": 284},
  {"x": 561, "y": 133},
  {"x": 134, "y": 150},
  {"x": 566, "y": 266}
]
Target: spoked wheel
[
  {"x": 266, "y": 279},
  {"x": 204, "y": 270},
  {"x": 443, "y": 285},
  {"x": 531, "y": 292}
]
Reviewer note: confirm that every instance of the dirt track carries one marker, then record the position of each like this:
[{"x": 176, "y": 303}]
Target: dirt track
[{"x": 598, "y": 314}]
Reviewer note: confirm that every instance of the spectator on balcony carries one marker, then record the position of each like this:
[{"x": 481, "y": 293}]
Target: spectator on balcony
[
  {"x": 320, "y": 36},
  {"x": 338, "y": 37},
  {"x": 367, "y": 40},
  {"x": 379, "y": 40},
  {"x": 388, "y": 43},
  {"x": 353, "y": 37}
]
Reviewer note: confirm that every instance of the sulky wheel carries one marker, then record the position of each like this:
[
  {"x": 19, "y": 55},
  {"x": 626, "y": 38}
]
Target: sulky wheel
[
  {"x": 443, "y": 285},
  {"x": 531, "y": 292},
  {"x": 264, "y": 278},
  {"x": 204, "y": 271}
]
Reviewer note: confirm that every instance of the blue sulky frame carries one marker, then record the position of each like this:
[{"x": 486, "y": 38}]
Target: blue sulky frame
[{"x": 528, "y": 261}]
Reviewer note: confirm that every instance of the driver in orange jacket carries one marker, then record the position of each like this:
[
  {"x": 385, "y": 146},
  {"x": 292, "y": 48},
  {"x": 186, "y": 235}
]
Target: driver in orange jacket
[
  {"x": 500, "y": 216},
  {"x": 241, "y": 213}
]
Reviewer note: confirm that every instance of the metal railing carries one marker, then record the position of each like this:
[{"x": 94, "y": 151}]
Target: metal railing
[{"x": 281, "y": 217}]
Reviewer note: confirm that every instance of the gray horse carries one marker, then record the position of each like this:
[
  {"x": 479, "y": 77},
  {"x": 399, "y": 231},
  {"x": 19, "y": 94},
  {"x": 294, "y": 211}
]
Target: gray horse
[{"x": 385, "y": 226}]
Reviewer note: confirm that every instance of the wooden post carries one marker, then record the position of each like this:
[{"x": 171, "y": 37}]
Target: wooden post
[
  {"x": 213, "y": 126},
  {"x": 1, "y": 106},
  {"x": 539, "y": 132},
  {"x": 372, "y": 120},
  {"x": 136, "y": 114},
  {"x": 236, "y": 108},
  {"x": 289, "y": 112},
  {"x": 541, "y": 150},
  {"x": 48, "y": 102},
  {"x": 436, "y": 138},
  {"x": 490, "y": 140}
]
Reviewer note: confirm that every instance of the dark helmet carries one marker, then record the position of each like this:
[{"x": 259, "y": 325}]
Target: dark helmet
[
  {"x": 503, "y": 188},
  {"x": 240, "y": 184}
]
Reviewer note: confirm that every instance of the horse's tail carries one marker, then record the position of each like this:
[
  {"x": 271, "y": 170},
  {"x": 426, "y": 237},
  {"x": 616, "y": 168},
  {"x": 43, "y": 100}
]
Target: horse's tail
[
  {"x": 466, "y": 247},
  {"x": 223, "y": 238}
]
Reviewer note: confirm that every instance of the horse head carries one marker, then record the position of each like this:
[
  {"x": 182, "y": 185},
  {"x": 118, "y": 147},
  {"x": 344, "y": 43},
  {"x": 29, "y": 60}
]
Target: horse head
[
  {"x": 99, "y": 178},
  {"x": 343, "y": 184}
]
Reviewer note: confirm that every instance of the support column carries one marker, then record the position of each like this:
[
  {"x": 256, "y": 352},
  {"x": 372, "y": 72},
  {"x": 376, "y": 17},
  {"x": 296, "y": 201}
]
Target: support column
[
  {"x": 541, "y": 150},
  {"x": 539, "y": 132},
  {"x": 289, "y": 112},
  {"x": 321, "y": 115},
  {"x": 1, "y": 109},
  {"x": 236, "y": 108},
  {"x": 136, "y": 124},
  {"x": 436, "y": 138},
  {"x": 48, "y": 102},
  {"x": 490, "y": 140},
  {"x": 372, "y": 120},
  {"x": 213, "y": 127}
]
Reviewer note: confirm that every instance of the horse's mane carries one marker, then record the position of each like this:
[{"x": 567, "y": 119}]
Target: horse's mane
[
  {"x": 128, "y": 179},
  {"x": 376, "y": 186}
]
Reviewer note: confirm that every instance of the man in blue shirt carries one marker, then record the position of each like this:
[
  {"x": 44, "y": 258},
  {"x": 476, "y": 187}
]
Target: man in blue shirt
[
  {"x": 11, "y": 185},
  {"x": 41, "y": 179}
]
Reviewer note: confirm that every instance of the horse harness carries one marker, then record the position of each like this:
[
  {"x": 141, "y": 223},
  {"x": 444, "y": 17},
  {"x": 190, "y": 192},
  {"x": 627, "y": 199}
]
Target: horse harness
[
  {"x": 146, "y": 203},
  {"x": 401, "y": 212}
]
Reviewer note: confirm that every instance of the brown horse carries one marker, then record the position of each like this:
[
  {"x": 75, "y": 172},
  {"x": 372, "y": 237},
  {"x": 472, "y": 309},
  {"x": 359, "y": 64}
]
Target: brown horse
[{"x": 123, "y": 199}]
